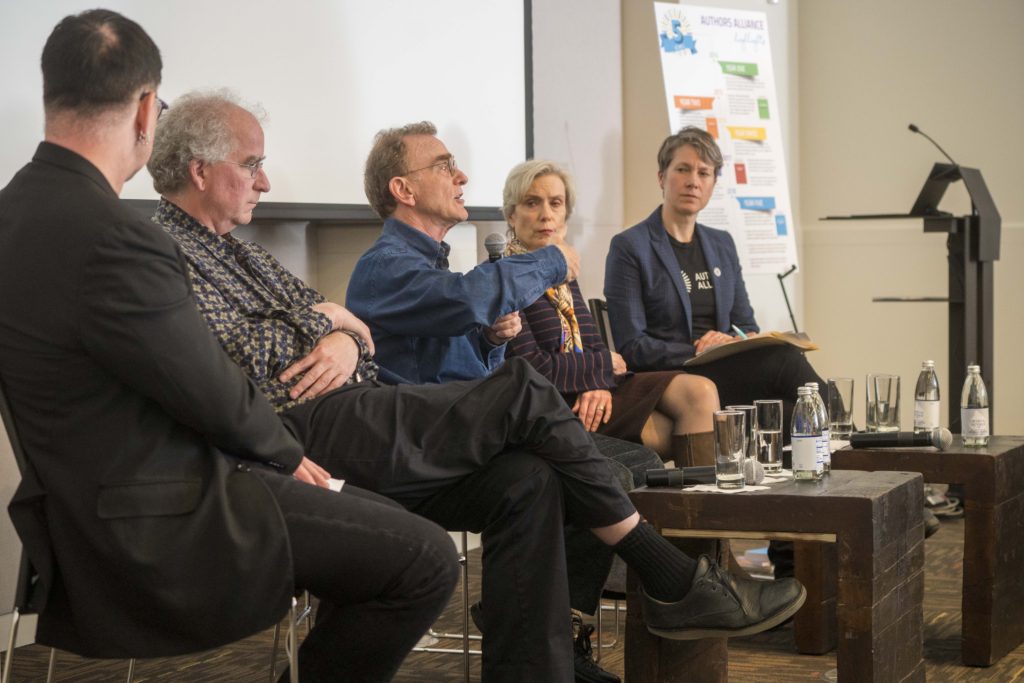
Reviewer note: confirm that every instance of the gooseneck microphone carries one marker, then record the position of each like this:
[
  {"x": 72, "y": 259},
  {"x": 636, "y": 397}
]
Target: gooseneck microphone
[
  {"x": 495, "y": 245},
  {"x": 940, "y": 437},
  {"x": 914, "y": 129}
]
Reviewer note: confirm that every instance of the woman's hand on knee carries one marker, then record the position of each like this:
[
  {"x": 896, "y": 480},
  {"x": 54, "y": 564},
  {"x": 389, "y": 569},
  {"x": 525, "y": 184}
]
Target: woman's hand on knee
[{"x": 594, "y": 408}]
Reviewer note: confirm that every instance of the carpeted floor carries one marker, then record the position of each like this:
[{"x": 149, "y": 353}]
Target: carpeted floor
[{"x": 764, "y": 658}]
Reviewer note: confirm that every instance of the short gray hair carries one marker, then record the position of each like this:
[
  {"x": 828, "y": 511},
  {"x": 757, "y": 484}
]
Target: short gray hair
[
  {"x": 699, "y": 139},
  {"x": 197, "y": 126},
  {"x": 386, "y": 161},
  {"x": 521, "y": 177}
]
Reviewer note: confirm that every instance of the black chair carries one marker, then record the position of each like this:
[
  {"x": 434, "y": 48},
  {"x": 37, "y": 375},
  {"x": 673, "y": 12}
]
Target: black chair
[
  {"x": 24, "y": 597},
  {"x": 23, "y": 604},
  {"x": 599, "y": 309},
  {"x": 24, "y": 593},
  {"x": 432, "y": 635}
]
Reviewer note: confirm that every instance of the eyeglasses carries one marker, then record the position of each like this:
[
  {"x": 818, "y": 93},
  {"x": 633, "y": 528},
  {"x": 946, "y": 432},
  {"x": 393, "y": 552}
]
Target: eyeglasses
[
  {"x": 163, "y": 105},
  {"x": 254, "y": 167},
  {"x": 446, "y": 165}
]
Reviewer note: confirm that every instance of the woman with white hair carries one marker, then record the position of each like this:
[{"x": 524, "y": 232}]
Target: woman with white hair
[{"x": 669, "y": 412}]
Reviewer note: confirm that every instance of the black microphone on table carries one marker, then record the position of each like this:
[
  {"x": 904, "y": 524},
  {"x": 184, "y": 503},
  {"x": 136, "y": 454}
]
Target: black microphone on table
[
  {"x": 940, "y": 437},
  {"x": 914, "y": 129},
  {"x": 495, "y": 244},
  {"x": 677, "y": 477}
]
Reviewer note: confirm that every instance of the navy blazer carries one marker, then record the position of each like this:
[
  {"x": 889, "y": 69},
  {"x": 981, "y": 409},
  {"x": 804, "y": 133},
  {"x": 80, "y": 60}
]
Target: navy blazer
[{"x": 648, "y": 306}]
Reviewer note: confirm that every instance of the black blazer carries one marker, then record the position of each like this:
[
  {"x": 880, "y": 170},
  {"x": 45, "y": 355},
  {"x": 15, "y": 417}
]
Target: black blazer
[{"x": 149, "y": 539}]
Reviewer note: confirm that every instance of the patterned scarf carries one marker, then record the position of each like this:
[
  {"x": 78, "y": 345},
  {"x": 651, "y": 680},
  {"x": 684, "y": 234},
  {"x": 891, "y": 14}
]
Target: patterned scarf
[{"x": 561, "y": 298}]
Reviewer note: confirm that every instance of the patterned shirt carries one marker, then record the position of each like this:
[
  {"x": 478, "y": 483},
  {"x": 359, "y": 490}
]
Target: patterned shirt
[{"x": 260, "y": 313}]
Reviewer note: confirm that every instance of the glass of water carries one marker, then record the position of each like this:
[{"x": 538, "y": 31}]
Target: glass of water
[
  {"x": 768, "y": 427},
  {"x": 749, "y": 428},
  {"x": 884, "y": 403},
  {"x": 730, "y": 448},
  {"x": 840, "y": 407}
]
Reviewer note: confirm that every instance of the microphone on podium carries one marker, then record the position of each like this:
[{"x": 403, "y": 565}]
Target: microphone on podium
[
  {"x": 495, "y": 245},
  {"x": 914, "y": 129},
  {"x": 940, "y": 437}
]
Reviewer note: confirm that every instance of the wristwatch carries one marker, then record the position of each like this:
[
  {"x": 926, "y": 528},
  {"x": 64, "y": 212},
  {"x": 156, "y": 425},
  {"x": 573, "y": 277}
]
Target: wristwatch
[{"x": 366, "y": 367}]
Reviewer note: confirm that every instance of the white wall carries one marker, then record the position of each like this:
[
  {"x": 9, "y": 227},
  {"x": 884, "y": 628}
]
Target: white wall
[
  {"x": 577, "y": 88},
  {"x": 577, "y": 122},
  {"x": 866, "y": 70}
]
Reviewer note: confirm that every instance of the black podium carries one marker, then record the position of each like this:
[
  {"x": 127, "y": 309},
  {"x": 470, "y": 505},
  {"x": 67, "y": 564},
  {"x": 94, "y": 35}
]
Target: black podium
[{"x": 972, "y": 249}]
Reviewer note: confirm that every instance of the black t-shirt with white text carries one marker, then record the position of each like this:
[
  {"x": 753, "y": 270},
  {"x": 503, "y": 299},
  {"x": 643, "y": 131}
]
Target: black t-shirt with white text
[{"x": 693, "y": 269}]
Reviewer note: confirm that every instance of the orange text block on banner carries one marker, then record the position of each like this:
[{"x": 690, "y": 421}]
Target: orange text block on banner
[
  {"x": 712, "y": 124},
  {"x": 747, "y": 133},
  {"x": 694, "y": 102}
]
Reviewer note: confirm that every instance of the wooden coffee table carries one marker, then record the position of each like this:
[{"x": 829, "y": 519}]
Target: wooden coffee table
[
  {"x": 993, "y": 485},
  {"x": 865, "y": 525}
]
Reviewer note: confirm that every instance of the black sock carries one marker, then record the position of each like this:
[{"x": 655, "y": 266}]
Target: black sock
[{"x": 666, "y": 571}]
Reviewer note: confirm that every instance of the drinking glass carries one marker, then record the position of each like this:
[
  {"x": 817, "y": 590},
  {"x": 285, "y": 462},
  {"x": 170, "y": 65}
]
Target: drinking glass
[
  {"x": 768, "y": 427},
  {"x": 729, "y": 449},
  {"x": 886, "y": 405},
  {"x": 840, "y": 407},
  {"x": 749, "y": 429}
]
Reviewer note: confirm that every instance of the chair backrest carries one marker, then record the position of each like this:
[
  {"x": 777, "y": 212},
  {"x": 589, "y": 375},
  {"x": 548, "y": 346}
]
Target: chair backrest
[
  {"x": 23, "y": 593},
  {"x": 599, "y": 309},
  {"x": 12, "y": 431}
]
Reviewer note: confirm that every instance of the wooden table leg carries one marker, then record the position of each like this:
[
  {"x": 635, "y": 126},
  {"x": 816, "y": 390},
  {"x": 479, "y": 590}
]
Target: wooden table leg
[
  {"x": 651, "y": 659},
  {"x": 814, "y": 626},
  {"x": 992, "y": 591},
  {"x": 880, "y": 591}
]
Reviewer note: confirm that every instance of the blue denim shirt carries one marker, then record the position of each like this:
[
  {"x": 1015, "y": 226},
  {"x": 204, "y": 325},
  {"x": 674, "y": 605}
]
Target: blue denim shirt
[{"x": 428, "y": 322}]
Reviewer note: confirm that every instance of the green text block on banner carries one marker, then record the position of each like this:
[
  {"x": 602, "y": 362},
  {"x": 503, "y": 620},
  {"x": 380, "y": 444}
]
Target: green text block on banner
[{"x": 739, "y": 68}]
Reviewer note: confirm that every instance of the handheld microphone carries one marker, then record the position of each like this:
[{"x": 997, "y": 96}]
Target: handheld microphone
[
  {"x": 915, "y": 129},
  {"x": 677, "y": 477},
  {"x": 495, "y": 245},
  {"x": 940, "y": 437}
]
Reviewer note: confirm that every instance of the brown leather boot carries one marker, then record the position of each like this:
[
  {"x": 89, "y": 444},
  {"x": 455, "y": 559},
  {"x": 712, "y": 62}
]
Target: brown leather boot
[{"x": 691, "y": 450}]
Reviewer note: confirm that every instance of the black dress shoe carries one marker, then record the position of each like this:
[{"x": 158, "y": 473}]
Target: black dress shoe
[
  {"x": 931, "y": 523},
  {"x": 720, "y": 605},
  {"x": 586, "y": 670},
  {"x": 584, "y": 666}
]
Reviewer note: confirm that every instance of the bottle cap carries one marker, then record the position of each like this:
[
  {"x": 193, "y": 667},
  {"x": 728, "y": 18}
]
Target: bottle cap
[
  {"x": 812, "y": 385},
  {"x": 928, "y": 364},
  {"x": 973, "y": 368},
  {"x": 803, "y": 391}
]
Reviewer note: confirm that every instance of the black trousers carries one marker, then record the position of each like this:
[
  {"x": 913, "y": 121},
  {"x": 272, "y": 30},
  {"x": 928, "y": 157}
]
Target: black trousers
[
  {"x": 772, "y": 372},
  {"x": 383, "y": 575},
  {"x": 502, "y": 456}
]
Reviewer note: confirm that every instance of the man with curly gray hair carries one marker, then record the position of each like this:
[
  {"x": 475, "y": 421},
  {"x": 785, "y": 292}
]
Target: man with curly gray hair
[{"x": 197, "y": 130}]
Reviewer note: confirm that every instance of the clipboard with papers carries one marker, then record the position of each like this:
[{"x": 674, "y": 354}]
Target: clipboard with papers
[{"x": 797, "y": 339}]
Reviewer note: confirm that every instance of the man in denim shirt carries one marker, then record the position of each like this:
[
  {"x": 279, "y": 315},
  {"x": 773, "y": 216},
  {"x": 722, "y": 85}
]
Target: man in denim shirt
[{"x": 432, "y": 325}]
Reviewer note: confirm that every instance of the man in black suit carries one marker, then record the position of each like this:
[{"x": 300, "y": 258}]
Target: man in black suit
[{"x": 165, "y": 506}]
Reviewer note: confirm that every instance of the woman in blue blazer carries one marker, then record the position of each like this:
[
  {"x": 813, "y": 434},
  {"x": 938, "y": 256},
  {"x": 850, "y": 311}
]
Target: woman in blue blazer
[{"x": 675, "y": 287}]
